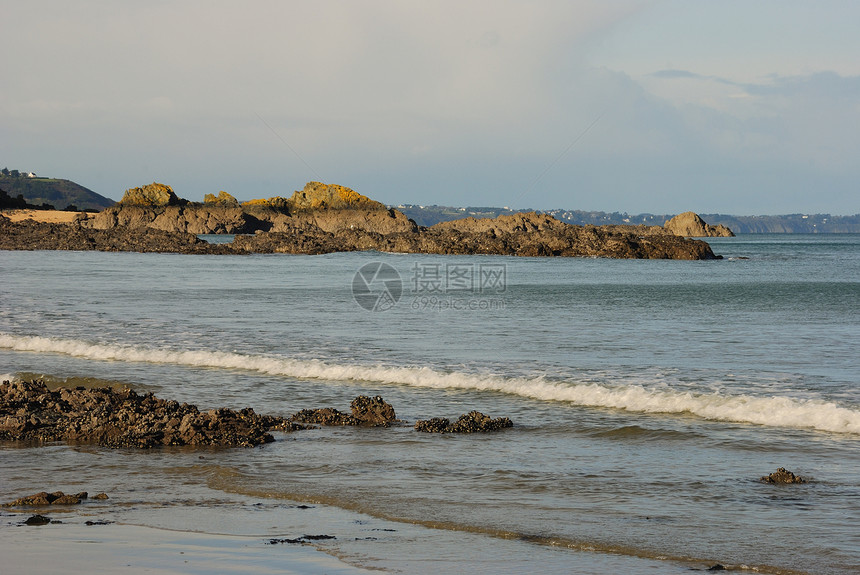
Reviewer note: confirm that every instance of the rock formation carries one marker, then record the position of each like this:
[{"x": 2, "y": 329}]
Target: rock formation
[
  {"x": 329, "y": 218},
  {"x": 319, "y": 196},
  {"x": 29, "y": 411},
  {"x": 223, "y": 199},
  {"x": 366, "y": 411},
  {"x": 528, "y": 234},
  {"x": 472, "y": 422},
  {"x": 154, "y": 194},
  {"x": 690, "y": 225},
  {"x": 30, "y": 235},
  {"x": 55, "y": 498},
  {"x": 782, "y": 476}
]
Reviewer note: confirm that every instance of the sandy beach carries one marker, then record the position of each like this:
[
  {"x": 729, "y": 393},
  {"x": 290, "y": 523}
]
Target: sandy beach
[
  {"x": 45, "y": 216},
  {"x": 81, "y": 548}
]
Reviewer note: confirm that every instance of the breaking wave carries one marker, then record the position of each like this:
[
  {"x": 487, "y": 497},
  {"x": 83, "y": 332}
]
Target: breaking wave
[{"x": 774, "y": 411}]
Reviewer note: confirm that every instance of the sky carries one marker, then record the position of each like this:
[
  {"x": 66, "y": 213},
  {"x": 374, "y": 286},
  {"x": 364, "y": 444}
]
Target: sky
[{"x": 738, "y": 106}]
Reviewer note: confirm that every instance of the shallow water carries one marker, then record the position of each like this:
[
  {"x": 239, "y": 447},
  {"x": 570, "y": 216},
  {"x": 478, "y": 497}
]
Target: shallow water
[{"x": 648, "y": 398}]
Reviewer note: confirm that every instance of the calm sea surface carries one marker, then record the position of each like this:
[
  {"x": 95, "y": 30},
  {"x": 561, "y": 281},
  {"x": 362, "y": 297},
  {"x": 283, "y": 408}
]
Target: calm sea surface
[{"x": 648, "y": 397}]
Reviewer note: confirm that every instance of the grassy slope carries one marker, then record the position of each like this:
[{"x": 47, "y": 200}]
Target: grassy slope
[{"x": 59, "y": 193}]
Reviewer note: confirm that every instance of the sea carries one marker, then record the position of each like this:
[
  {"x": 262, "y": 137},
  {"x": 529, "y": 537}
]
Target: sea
[{"x": 648, "y": 398}]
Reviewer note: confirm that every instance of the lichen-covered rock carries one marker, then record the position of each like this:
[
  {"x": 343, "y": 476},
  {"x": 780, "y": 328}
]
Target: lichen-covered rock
[
  {"x": 154, "y": 194},
  {"x": 222, "y": 199},
  {"x": 782, "y": 476},
  {"x": 319, "y": 196},
  {"x": 277, "y": 203},
  {"x": 691, "y": 225},
  {"x": 472, "y": 422}
]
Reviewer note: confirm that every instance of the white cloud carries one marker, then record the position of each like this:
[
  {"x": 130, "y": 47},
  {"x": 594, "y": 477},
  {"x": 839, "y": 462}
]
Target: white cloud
[{"x": 458, "y": 102}]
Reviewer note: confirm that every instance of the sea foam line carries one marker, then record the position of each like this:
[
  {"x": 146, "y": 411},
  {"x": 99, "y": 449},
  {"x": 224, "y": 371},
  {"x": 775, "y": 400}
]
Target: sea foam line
[{"x": 774, "y": 411}]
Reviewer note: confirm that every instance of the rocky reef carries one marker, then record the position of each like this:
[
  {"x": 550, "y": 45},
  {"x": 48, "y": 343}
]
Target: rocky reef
[
  {"x": 472, "y": 422},
  {"x": 328, "y": 207},
  {"x": 31, "y": 235},
  {"x": 29, "y": 411},
  {"x": 366, "y": 411},
  {"x": 325, "y": 218},
  {"x": 526, "y": 234},
  {"x": 690, "y": 225},
  {"x": 55, "y": 498}
]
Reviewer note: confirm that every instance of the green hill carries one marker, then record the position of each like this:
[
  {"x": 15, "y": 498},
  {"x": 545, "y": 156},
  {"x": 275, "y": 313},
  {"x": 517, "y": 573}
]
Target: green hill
[{"x": 58, "y": 193}]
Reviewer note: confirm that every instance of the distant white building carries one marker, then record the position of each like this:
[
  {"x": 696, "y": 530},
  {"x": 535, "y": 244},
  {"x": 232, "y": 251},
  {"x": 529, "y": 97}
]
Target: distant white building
[{"x": 30, "y": 175}]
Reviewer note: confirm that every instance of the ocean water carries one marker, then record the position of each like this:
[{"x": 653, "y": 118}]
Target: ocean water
[{"x": 648, "y": 397}]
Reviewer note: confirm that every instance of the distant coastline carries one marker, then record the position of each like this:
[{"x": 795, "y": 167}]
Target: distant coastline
[{"x": 425, "y": 215}]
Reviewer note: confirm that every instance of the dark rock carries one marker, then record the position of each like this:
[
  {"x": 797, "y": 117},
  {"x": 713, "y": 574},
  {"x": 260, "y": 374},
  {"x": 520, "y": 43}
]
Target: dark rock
[
  {"x": 45, "y": 498},
  {"x": 31, "y": 235},
  {"x": 66, "y": 500},
  {"x": 101, "y": 496},
  {"x": 37, "y": 520},
  {"x": 472, "y": 422},
  {"x": 716, "y": 567},
  {"x": 123, "y": 418},
  {"x": 372, "y": 412},
  {"x": 375, "y": 411},
  {"x": 782, "y": 476},
  {"x": 99, "y": 522},
  {"x": 302, "y": 539}
]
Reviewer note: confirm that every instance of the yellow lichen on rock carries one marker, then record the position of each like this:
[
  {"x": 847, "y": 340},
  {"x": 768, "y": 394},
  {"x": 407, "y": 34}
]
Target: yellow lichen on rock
[
  {"x": 222, "y": 199},
  {"x": 154, "y": 194},
  {"x": 317, "y": 195}
]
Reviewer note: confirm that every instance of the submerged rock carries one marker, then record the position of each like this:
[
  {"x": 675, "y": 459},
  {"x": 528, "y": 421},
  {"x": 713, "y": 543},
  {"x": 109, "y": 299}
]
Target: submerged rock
[
  {"x": 782, "y": 476},
  {"x": 472, "y": 422},
  {"x": 37, "y": 520}
]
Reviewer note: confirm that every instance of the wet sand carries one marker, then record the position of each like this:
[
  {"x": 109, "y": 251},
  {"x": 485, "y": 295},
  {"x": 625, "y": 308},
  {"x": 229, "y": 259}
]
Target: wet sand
[{"x": 79, "y": 548}]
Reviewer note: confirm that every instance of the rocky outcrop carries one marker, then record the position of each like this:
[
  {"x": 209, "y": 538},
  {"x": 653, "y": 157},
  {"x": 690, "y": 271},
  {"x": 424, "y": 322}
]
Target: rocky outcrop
[
  {"x": 29, "y": 411},
  {"x": 782, "y": 476},
  {"x": 472, "y": 422},
  {"x": 366, "y": 411},
  {"x": 223, "y": 199},
  {"x": 331, "y": 208},
  {"x": 30, "y": 235},
  {"x": 154, "y": 194},
  {"x": 527, "y": 234},
  {"x": 690, "y": 225},
  {"x": 319, "y": 196},
  {"x": 189, "y": 218}
]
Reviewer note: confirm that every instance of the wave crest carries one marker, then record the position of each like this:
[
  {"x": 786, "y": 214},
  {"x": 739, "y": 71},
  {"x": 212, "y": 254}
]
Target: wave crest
[{"x": 774, "y": 411}]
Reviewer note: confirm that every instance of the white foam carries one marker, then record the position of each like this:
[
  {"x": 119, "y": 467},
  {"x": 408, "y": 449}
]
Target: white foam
[{"x": 775, "y": 411}]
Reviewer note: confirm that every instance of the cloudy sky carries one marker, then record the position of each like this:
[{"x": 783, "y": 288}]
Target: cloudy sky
[{"x": 737, "y": 106}]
